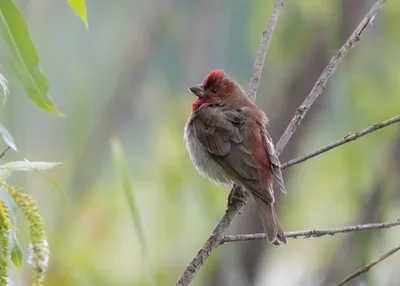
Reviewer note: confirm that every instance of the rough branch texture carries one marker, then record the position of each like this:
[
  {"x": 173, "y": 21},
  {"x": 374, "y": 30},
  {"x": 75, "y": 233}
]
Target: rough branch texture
[
  {"x": 312, "y": 232},
  {"x": 233, "y": 209},
  {"x": 348, "y": 138},
  {"x": 367, "y": 267},
  {"x": 326, "y": 74}
]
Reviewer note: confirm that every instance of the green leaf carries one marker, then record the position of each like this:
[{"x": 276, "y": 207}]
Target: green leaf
[
  {"x": 29, "y": 166},
  {"x": 7, "y": 138},
  {"x": 16, "y": 252},
  {"x": 21, "y": 54},
  {"x": 122, "y": 169},
  {"x": 79, "y": 7}
]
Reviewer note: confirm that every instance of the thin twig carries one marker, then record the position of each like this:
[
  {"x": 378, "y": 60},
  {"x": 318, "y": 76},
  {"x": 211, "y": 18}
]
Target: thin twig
[
  {"x": 367, "y": 267},
  {"x": 262, "y": 51},
  {"x": 234, "y": 208},
  {"x": 348, "y": 138},
  {"x": 312, "y": 232},
  {"x": 326, "y": 74},
  {"x": 4, "y": 152}
]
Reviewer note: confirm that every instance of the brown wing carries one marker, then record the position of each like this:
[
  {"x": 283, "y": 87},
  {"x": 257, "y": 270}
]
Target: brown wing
[
  {"x": 275, "y": 164},
  {"x": 222, "y": 132}
]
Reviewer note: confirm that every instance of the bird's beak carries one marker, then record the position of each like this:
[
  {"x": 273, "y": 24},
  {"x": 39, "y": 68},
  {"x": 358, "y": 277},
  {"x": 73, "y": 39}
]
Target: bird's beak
[{"x": 198, "y": 90}]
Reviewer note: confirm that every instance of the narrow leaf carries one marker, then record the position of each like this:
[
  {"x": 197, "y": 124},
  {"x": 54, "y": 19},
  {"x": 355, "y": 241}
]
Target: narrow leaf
[
  {"x": 7, "y": 138},
  {"x": 4, "y": 86},
  {"x": 79, "y": 7},
  {"x": 16, "y": 252},
  {"x": 28, "y": 166},
  {"x": 20, "y": 52},
  {"x": 123, "y": 171}
]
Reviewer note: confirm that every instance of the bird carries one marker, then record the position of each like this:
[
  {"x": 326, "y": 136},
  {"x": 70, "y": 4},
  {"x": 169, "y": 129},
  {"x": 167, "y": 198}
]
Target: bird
[{"x": 227, "y": 140}]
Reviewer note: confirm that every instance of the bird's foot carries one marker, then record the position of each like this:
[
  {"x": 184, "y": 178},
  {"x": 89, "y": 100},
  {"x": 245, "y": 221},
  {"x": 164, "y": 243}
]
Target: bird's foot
[{"x": 236, "y": 195}]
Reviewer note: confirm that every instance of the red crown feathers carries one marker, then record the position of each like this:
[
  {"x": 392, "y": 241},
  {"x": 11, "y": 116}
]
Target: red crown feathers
[{"x": 213, "y": 77}]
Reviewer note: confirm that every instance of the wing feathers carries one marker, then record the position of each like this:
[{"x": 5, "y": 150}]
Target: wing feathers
[
  {"x": 224, "y": 134},
  {"x": 275, "y": 164}
]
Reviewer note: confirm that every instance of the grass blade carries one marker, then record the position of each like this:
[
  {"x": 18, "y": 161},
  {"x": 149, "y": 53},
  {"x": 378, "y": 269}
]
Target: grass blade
[{"x": 122, "y": 169}]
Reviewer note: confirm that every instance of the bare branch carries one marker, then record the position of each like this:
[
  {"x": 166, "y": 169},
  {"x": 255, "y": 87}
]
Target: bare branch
[
  {"x": 234, "y": 208},
  {"x": 312, "y": 232},
  {"x": 326, "y": 74},
  {"x": 212, "y": 242},
  {"x": 262, "y": 51},
  {"x": 348, "y": 138},
  {"x": 367, "y": 267},
  {"x": 2, "y": 154}
]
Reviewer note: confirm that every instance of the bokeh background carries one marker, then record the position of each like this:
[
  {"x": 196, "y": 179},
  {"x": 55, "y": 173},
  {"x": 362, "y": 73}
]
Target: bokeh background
[{"x": 127, "y": 76}]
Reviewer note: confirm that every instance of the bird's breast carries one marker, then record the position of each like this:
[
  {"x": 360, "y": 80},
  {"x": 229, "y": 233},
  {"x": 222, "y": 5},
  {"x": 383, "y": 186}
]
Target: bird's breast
[{"x": 203, "y": 160}]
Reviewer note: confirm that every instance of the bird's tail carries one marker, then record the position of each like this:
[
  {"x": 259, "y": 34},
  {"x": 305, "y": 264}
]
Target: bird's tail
[{"x": 270, "y": 222}]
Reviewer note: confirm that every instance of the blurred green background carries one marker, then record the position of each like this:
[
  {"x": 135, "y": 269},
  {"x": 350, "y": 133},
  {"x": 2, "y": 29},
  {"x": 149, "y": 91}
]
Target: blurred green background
[{"x": 127, "y": 76}]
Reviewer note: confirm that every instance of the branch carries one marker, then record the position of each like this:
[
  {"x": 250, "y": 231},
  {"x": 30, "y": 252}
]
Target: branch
[
  {"x": 367, "y": 267},
  {"x": 312, "y": 232},
  {"x": 2, "y": 154},
  {"x": 233, "y": 209},
  {"x": 348, "y": 138},
  {"x": 262, "y": 51},
  {"x": 212, "y": 242},
  {"x": 326, "y": 74}
]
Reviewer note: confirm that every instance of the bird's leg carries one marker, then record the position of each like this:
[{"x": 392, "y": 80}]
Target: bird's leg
[{"x": 237, "y": 194}]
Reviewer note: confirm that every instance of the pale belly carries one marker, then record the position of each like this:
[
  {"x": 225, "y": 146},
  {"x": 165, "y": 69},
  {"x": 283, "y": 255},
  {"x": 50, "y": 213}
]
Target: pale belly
[{"x": 202, "y": 160}]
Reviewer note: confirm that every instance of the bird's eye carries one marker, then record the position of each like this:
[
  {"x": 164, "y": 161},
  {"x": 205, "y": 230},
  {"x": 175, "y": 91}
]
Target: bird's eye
[{"x": 214, "y": 90}]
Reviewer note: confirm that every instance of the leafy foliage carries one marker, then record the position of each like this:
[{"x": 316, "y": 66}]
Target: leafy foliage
[
  {"x": 21, "y": 54},
  {"x": 11, "y": 197}
]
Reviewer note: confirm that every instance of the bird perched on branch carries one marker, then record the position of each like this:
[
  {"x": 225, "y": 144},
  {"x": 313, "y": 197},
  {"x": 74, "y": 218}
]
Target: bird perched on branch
[{"x": 227, "y": 139}]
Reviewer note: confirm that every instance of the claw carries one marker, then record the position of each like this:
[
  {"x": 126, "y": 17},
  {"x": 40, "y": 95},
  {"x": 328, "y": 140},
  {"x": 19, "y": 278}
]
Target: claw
[{"x": 236, "y": 194}]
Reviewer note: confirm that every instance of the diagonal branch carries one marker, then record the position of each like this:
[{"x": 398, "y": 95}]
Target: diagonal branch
[
  {"x": 367, "y": 267},
  {"x": 312, "y": 232},
  {"x": 326, "y": 74},
  {"x": 2, "y": 154},
  {"x": 233, "y": 209},
  {"x": 348, "y": 138},
  {"x": 212, "y": 242},
  {"x": 262, "y": 51}
]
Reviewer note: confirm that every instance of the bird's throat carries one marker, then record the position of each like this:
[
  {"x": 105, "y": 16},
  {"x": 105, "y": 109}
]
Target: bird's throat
[{"x": 200, "y": 101}]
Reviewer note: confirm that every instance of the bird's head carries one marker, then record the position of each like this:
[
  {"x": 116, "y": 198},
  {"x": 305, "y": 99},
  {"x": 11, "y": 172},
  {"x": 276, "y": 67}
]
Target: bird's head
[{"x": 218, "y": 88}]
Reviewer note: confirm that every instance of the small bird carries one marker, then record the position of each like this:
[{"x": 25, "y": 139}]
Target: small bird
[{"x": 227, "y": 139}]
